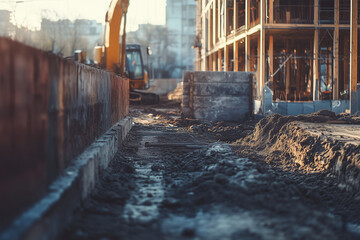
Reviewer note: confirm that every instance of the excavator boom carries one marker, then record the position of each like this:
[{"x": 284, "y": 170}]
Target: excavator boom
[
  {"x": 113, "y": 54},
  {"x": 118, "y": 57}
]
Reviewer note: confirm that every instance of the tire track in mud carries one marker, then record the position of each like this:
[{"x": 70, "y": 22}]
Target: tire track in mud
[{"x": 143, "y": 204}]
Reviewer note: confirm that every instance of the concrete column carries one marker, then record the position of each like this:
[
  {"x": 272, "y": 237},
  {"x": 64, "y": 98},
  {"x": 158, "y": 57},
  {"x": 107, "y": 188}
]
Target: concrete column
[
  {"x": 247, "y": 54},
  {"x": 226, "y": 59},
  {"x": 263, "y": 12},
  {"x": 271, "y": 11},
  {"x": 209, "y": 37},
  {"x": 258, "y": 66},
  {"x": 209, "y": 61},
  {"x": 298, "y": 63},
  {"x": 346, "y": 62},
  {"x": 353, "y": 56},
  {"x": 247, "y": 14},
  {"x": 219, "y": 60},
  {"x": 271, "y": 62},
  {"x": 262, "y": 62},
  {"x": 236, "y": 56},
  {"x": 316, "y": 13},
  {"x": 262, "y": 55},
  {"x": 219, "y": 19},
  {"x": 214, "y": 23},
  {"x": 316, "y": 52},
  {"x": 226, "y": 19},
  {"x": 287, "y": 70},
  {"x": 235, "y": 15},
  {"x": 271, "y": 55},
  {"x": 253, "y": 59},
  {"x": 316, "y": 66},
  {"x": 215, "y": 61},
  {"x": 336, "y": 52},
  {"x": 203, "y": 41}
]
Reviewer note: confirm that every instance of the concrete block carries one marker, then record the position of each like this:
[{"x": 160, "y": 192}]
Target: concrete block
[{"x": 217, "y": 95}]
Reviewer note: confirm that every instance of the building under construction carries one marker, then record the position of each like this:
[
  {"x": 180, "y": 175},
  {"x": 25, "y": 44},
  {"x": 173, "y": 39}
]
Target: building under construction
[{"x": 298, "y": 49}]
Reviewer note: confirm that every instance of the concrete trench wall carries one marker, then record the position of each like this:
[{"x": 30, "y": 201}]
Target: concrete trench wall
[
  {"x": 217, "y": 96},
  {"x": 51, "y": 109},
  {"x": 296, "y": 108}
]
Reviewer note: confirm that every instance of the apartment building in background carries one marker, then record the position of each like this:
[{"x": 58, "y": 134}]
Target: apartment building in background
[
  {"x": 5, "y": 25},
  {"x": 181, "y": 27}
]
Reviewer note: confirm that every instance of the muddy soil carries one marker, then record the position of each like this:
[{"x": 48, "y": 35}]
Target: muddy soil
[{"x": 189, "y": 179}]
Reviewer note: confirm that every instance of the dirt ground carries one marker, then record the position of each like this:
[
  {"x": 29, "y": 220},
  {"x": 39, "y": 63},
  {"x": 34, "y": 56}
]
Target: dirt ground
[{"x": 188, "y": 179}]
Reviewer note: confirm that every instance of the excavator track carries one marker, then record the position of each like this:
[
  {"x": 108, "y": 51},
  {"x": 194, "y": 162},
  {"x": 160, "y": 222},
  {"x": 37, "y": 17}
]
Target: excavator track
[{"x": 143, "y": 97}]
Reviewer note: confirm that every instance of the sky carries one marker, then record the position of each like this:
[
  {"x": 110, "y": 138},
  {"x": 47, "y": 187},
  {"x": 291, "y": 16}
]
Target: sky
[{"x": 28, "y": 13}]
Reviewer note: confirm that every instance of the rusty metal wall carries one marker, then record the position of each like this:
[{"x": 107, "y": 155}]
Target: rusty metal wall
[{"x": 51, "y": 109}]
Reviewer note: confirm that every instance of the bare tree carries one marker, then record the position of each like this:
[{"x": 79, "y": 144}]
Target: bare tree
[
  {"x": 159, "y": 39},
  {"x": 64, "y": 36}
]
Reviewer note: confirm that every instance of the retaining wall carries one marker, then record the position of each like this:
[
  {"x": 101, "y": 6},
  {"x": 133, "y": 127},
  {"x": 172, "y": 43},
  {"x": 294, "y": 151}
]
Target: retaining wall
[
  {"x": 51, "y": 109},
  {"x": 217, "y": 96},
  {"x": 296, "y": 108}
]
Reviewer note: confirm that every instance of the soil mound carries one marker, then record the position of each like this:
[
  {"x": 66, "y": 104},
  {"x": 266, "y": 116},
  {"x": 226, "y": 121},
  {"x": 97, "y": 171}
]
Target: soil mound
[{"x": 285, "y": 144}]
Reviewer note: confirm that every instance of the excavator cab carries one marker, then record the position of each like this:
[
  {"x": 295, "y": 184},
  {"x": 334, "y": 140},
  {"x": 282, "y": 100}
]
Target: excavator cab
[{"x": 136, "y": 61}]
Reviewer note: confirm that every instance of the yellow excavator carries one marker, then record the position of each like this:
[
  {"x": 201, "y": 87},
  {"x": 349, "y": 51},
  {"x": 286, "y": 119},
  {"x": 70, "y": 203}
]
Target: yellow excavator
[{"x": 120, "y": 58}]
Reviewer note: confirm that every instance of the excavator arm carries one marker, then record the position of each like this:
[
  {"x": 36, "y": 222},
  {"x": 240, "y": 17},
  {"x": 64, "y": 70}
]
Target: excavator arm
[{"x": 114, "y": 56}]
